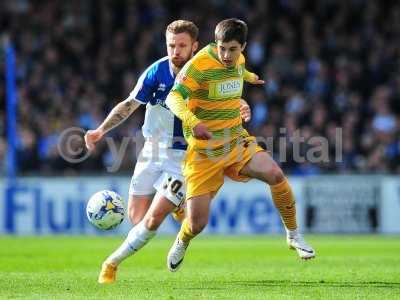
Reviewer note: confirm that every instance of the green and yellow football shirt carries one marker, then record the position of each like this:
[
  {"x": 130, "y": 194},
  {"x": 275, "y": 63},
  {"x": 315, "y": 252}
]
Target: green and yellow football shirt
[{"x": 212, "y": 93}]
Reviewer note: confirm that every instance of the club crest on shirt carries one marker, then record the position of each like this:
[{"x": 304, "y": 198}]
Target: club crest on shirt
[
  {"x": 162, "y": 87},
  {"x": 181, "y": 77}
]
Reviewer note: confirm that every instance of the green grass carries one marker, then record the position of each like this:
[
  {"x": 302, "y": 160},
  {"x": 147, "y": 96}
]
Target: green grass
[{"x": 347, "y": 267}]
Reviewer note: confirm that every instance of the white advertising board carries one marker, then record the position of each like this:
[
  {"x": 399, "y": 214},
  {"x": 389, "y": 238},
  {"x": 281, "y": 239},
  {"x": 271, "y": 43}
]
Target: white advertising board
[
  {"x": 57, "y": 206},
  {"x": 325, "y": 204}
]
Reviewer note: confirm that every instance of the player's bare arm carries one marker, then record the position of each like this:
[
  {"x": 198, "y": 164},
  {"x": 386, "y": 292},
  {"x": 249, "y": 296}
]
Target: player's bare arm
[{"x": 118, "y": 114}]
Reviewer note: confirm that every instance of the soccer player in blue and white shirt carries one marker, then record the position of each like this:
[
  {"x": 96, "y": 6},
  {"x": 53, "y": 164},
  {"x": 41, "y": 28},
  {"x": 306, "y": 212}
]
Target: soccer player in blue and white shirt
[{"x": 157, "y": 187}]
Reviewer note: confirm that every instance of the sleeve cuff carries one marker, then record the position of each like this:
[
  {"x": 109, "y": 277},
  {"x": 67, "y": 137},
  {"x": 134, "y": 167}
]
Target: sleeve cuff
[
  {"x": 137, "y": 100},
  {"x": 193, "y": 121},
  {"x": 131, "y": 97},
  {"x": 249, "y": 77}
]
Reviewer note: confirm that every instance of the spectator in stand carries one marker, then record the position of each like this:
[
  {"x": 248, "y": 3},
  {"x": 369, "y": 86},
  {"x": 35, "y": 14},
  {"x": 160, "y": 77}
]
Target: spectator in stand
[{"x": 328, "y": 65}]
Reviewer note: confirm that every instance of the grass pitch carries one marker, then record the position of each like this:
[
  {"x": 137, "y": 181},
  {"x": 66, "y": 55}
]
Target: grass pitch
[{"x": 346, "y": 267}]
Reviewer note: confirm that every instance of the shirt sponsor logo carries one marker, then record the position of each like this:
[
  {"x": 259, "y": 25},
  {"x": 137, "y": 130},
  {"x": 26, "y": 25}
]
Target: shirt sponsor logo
[
  {"x": 226, "y": 88},
  {"x": 161, "y": 102}
]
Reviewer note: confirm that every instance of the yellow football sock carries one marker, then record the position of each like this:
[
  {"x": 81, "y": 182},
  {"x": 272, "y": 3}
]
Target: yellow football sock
[
  {"x": 284, "y": 201},
  {"x": 185, "y": 234}
]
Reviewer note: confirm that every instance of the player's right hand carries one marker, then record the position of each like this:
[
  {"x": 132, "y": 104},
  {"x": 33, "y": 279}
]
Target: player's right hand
[
  {"x": 257, "y": 80},
  {"x": 201, "y": 132},
  {"x": 91, "y": 137}
]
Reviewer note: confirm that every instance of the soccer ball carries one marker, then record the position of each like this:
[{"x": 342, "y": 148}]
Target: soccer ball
[{"x": 105, "y": 210}]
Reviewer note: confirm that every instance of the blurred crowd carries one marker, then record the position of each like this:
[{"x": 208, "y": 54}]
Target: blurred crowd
[{"x": 331, "y": 103}]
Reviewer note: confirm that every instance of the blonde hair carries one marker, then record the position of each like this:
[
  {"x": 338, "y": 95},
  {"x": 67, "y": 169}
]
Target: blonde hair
[{"x": 180, "y": 26}]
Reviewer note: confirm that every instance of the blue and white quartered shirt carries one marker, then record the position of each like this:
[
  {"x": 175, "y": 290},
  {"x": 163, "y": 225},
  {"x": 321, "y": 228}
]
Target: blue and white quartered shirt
[{"x": 152, "y": 89}]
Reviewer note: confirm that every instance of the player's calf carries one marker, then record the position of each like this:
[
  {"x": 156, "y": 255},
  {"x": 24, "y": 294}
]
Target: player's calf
[
  {"x": 153, "y": 219},
  {"x": 196, "y": 225},
  {"x": 138, "y": 207}
]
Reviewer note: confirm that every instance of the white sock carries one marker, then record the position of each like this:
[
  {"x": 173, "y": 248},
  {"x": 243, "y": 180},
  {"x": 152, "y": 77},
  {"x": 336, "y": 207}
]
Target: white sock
[
  {"x": 291, "y": 233},
  {"x": 136, "y": 239}
]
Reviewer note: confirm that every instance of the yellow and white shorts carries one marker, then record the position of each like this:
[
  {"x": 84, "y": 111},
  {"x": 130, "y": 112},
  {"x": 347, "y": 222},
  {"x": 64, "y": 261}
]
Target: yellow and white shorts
[{"x": 204, "y": 173}]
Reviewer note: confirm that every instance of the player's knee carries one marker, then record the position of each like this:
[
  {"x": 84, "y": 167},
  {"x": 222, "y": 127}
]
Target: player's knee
[{"x": 274, "y": 174}]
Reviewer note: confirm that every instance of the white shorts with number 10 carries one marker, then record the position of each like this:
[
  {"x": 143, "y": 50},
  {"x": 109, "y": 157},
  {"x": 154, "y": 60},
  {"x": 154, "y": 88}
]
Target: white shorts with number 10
[{"x": 159, "y": 170}]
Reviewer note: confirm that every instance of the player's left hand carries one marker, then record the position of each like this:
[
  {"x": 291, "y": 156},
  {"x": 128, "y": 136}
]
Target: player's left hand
[
  {"x": 245, "y": 111},
  {"x": 201, "y": 132},
  {"x": 257, "y": 80}
]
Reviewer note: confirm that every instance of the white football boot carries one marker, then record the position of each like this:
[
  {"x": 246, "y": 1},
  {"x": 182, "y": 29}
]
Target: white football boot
[
  {"x": 176, "y": 255},
  {"x": 297, "y": 242}
]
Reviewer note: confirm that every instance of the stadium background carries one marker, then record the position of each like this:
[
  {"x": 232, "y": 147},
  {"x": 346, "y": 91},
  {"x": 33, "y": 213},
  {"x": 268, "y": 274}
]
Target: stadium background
[{"x": 328, "y": 64}]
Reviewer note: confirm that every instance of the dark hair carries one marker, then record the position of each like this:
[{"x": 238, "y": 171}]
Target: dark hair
[
  {"x": 231, "y": 29},
  {"x": 180, "y": 26}
]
